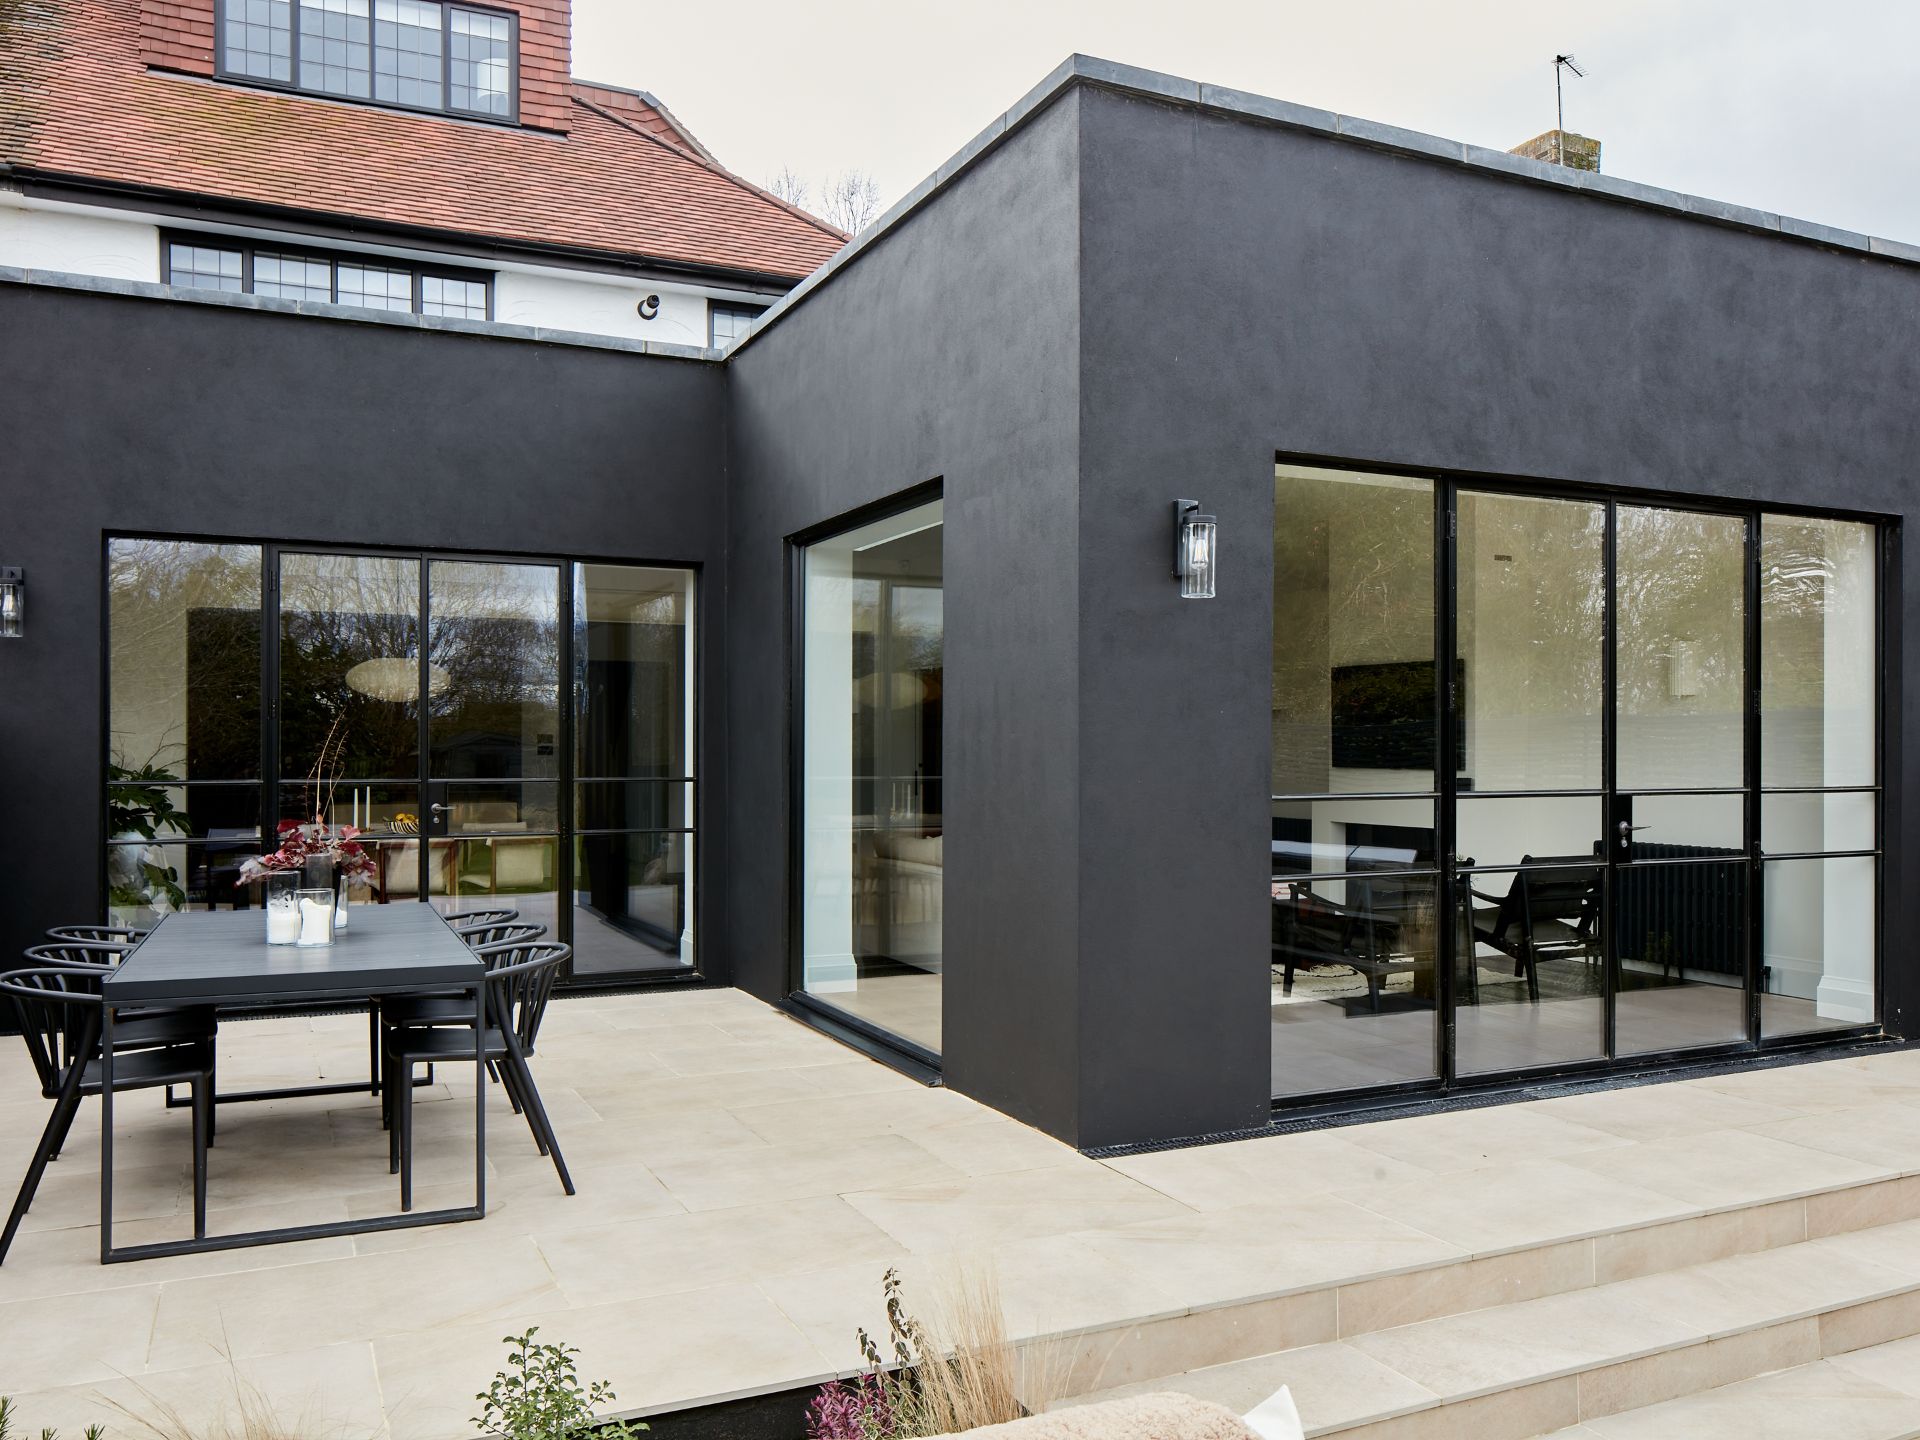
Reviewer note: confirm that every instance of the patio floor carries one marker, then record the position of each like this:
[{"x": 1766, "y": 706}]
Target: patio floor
[{"x": 744, "y": 1182}]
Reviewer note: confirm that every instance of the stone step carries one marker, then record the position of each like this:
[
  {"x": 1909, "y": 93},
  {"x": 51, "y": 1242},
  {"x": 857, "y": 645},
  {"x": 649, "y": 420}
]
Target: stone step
[
  {"x": 1530, "y": 1367},
  {"x": 1870, "y": 1394}
]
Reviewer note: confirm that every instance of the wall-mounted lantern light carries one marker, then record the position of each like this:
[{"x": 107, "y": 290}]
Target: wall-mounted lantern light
[
  {"x": 1194, "y": 537},
  {"x": 13, "y": 600}
]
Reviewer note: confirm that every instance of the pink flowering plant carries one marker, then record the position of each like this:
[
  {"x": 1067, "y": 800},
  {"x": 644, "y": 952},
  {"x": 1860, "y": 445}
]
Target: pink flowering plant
[{"x": 300, "y": 843}]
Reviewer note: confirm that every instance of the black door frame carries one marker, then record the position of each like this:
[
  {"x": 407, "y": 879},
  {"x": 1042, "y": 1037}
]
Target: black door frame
[
  {"x": 269, "y": 783},
  {"x": 1447, "y": 486}
]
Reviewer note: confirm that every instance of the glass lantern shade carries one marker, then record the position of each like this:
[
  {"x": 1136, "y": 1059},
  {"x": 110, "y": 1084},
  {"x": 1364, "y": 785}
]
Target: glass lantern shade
[
  {"x": 12, "y": 603},
  {"x": 1197, "y": 552}
]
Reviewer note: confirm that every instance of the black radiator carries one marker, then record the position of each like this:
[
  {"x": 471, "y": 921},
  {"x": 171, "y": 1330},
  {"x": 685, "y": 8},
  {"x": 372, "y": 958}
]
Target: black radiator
[{"x": 1691, "y": 917}]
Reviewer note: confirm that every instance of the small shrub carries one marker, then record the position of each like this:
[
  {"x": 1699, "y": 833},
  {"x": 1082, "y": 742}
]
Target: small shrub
[
  {"x": 958, "y": 1372},
  {"x": 539, "y": 1397}
]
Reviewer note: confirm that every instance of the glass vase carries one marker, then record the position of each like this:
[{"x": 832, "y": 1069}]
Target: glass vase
[
  {"x": 316, "y": 917},
  {"x": 279, "y": 893}
]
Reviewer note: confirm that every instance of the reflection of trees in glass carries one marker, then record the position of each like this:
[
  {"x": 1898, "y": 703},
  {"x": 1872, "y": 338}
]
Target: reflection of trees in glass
[
  {"x": 184, "y": 667},
  {"x": 1679, "y": 580},
  {"x": 337, "y": 611},
  {"x": 495, "y": 631}
]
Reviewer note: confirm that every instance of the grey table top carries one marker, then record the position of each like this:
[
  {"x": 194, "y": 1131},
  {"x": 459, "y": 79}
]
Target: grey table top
[{"x": 222, "y": 956}]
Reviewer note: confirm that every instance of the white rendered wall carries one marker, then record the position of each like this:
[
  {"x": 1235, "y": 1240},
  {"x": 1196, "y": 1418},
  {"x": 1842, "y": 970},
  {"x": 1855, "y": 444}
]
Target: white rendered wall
[
  {"x": 77, "y": 242},
  {"x": 565, "y": 300}
]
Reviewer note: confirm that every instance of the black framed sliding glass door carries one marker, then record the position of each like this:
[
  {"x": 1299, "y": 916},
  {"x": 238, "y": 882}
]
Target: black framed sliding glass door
[
  {"x": 504, "y": 730},
  {"x": 1631, "y": 748}
]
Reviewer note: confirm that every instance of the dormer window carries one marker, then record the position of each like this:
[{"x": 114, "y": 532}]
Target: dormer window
[{"x": 419, "y": 54}]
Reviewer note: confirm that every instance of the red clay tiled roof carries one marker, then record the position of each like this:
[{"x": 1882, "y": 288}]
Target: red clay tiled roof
[{"x": 77, "y": 100}]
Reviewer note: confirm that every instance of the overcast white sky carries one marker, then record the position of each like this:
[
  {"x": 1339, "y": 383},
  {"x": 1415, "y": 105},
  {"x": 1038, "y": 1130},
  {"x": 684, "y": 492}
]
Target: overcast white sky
[{"x": 1808, "y": 107}]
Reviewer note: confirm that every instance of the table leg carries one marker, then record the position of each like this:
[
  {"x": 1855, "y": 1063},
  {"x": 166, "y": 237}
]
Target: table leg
[
  {"x": 106, "y": 1132},
  {"x": 480, "y": 1097}
]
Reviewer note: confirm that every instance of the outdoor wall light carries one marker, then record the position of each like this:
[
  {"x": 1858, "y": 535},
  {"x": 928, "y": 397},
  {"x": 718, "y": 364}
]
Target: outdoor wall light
[
  {"x": 1194, "y": 537},
  {"x": 13, "y": 600}
]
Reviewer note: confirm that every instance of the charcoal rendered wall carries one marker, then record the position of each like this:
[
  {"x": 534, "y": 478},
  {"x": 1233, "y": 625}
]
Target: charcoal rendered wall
[
  {"x": 1250, "y": 289},
  {"x": 126, "y": 414},
  {"x": 948, "y": 351}
]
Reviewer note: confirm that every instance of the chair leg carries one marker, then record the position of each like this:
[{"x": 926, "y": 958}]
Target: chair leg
[
  {"x": 202, "y": 1137},
  {"x": 537, "y": 1113},
  {"x": 516, "y": 1096},
  {"x": 391, "y": 1105},
  {"x": 57, "y": 1125}
]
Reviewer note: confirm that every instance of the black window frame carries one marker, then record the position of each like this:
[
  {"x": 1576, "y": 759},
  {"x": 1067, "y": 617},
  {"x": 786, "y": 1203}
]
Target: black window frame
[
  {"x": 446, "y": 107},
  {"x": 333, "y": 259},
  {"x": 735, "y": 308}
]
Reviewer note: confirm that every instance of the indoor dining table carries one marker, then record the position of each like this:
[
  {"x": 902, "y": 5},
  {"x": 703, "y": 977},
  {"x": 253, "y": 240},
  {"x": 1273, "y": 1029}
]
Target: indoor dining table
[{"x": 221, "y": 959}]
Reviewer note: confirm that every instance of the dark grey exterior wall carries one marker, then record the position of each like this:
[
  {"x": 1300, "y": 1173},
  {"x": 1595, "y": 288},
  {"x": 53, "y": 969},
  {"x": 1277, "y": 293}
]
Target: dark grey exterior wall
[
  {"x": 948, "y": 352},
  {"x": 126, "y": 414},
  {"x": 1250, "y": 289}
]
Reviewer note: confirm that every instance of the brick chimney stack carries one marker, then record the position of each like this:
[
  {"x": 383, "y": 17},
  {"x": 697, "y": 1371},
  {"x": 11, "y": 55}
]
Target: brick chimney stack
[{"x": 1562, "y": 147}]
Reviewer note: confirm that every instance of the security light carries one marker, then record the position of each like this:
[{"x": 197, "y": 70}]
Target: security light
[
  {"x": 13, "y": 600},
  {"x": 1194, "y": 537}
]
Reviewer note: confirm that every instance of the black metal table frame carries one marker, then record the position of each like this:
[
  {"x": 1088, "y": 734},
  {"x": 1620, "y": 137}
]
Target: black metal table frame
[{"x": 110, "y": 1254}]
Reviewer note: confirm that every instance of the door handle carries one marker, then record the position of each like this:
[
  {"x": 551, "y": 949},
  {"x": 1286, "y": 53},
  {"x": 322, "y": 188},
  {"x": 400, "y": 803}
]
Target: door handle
[
  {"x": 438, "y": 809},
  {"x": 1626, "y": 833}
]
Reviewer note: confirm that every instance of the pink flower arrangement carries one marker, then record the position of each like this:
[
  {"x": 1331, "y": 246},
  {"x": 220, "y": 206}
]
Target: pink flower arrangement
[{"x": 300, "y": 843}]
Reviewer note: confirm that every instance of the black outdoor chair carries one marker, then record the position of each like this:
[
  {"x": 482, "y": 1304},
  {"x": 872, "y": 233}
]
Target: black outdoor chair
[
  {"x": 468, "y": 919},
  {"x": 136, "y": 1028},
  {"x": 99, "y": 934},
  {"x": 446, "y": 1007},
  {"x": 519, "y": 982},
  {"x": 61, "y": 1016},
  {"x": 1546, "y": 914}
]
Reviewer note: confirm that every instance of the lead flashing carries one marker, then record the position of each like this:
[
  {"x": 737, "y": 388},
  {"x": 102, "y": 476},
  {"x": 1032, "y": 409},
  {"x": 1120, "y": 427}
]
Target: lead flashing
[{"x": 1239, "y": 104}]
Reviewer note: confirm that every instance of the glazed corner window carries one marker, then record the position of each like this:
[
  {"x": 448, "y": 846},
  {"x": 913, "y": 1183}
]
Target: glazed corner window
[
  {"x": 422, "y": 54},
  {"x": 728, "y": 323},
  {"x": 328, "y": 279}
]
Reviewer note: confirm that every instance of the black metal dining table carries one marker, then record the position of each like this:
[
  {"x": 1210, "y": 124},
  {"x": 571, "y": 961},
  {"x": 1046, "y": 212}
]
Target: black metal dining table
[{"x": 221, "y": 959}]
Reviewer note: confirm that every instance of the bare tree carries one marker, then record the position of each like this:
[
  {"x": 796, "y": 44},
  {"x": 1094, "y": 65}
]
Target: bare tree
[
  {"x": 851, "y": 201},
  {"x": 790, "y": 187}
]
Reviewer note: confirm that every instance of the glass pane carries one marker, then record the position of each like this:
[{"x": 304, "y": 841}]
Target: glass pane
[
  {"x": 633, "y": 805},
  {"x": 1354, "y": 982},
  {"x": 349, "y": 674},
  {"x": 1526, "y": 830},
  {"x": 872, "y": 838},
  {"x": 1681, "y": 652},
  {"x": 183, "y": 668},
  {"x": 1681, "y": 935},
  {"x": 633, "y": 729},
  {"x": 520, "y": 872},
  {"x": 1532, "y": 642},
  {"x": 292, "y": 277},
  {"x": 630, "y": 903},
  {"x": 500, "y": 808},
  {"x": 1675, "y": 827},
  {"x": 371, "y": 287},
  {"x": 482, "y": 66},
  {"x": 1331, "y": 837},
  {"x": 336, "y": 47},
  {"x": 138, "y": 810},
  {"x": 1817, "y": 960},
  {"x": 1817, "y": 640},
  {"x": 1354, "y": 704},
  {"x": 146, "y": 881},
  {"x": 257, "y": 42},
  {"x": 201, "y": 267},
  {"x": 407, "y": 38},
  {"x": 493, "y": 676},
  {"x": 1794, "y": 823},
  {"x": 1530, "y": 987}
]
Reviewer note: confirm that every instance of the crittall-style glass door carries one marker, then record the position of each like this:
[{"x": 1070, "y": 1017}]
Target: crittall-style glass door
[{"x": 1563, "y": 780}]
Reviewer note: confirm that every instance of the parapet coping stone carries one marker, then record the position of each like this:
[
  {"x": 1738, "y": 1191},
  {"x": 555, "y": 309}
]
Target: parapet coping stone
[{"x": 1218, "y": 99}]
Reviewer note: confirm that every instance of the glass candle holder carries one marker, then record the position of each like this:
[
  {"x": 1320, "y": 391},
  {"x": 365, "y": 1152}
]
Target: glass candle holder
[
  {"x": 316, "y": 917},
  {"x": 279, "y": 893}
]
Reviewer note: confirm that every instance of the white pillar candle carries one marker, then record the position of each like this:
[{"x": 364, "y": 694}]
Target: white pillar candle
[
  {"x": 340, "y": 915},
  {"x": 316, "y": 922},
  {"x": 283, "y": 922}
]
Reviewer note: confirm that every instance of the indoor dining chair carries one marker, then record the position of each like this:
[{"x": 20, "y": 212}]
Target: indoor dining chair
[{"x": 60, "y": 1011}]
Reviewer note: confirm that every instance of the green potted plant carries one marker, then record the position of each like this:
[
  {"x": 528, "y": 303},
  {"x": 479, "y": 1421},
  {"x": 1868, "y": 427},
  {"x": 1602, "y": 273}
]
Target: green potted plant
[{"x": 140, "y": 807}]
